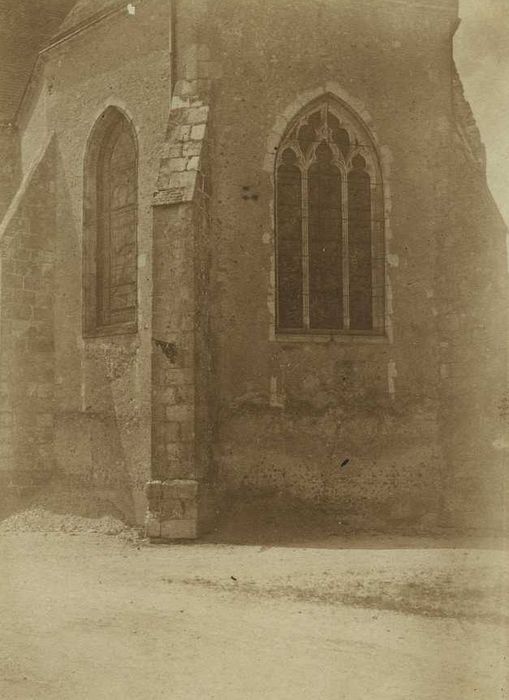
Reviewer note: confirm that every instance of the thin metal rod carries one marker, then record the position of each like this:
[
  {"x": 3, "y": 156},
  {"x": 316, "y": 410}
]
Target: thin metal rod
[
  {"x": 305, "y": 250},
  {"x": 344, "y": 250}
]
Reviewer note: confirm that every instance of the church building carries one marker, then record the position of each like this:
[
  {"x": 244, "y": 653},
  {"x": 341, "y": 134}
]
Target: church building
[{"x": 248, "y": 250}]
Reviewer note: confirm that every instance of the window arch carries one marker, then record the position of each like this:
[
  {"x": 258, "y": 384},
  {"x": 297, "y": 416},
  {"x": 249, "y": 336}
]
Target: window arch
[
  {"x": 110, "y": 226},
  {"x": 329, "y": 218}
]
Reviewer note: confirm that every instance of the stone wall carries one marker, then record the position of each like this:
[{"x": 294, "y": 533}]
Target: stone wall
[
  {"x": 102, "y": 419},
  {"x": 205, "y": 395},
  {"x": 353, "y": 422},
  {"x": 289, "y": 414},
  {"x": 27, "y": 265},
  {"x": 180, "y": 493},
  {"x": 10, "y": 172}
]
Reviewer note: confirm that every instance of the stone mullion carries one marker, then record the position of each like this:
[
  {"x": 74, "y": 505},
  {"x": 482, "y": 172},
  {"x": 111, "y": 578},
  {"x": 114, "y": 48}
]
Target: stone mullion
[
  {"x": 305, "y": 249},
  {"x": 344, "y": 250}
]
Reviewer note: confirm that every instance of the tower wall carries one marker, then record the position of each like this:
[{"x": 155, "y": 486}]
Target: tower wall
[{"x": 289, "y": 412}]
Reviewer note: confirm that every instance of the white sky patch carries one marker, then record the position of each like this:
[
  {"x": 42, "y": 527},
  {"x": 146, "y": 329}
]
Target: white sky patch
[{"x": 481, "y": 51}]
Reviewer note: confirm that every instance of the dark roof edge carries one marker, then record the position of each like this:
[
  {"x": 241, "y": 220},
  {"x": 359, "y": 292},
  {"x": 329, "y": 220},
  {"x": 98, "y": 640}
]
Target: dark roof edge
[
  {"x": 447, "y": 8},
  {"x": 57, "y": 40},
  {"x": 441, "y": 6},
  {"x": 77, "y": 28}
]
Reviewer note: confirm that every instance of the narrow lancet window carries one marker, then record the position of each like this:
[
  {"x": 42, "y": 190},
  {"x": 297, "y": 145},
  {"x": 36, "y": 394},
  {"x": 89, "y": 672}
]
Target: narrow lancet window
[{"x": 111, "y": 226}]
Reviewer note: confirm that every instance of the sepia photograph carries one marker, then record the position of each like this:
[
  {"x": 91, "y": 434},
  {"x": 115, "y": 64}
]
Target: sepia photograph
[{"x": 254, "y": 349}]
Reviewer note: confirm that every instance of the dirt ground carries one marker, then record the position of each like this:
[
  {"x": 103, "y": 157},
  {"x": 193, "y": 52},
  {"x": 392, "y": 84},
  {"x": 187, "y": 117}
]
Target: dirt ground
[{"x": 90, "y": 615}]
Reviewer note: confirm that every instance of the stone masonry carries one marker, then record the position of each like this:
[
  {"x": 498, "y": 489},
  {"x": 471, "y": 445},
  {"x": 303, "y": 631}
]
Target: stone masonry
[{"x": 202, "y": 403}]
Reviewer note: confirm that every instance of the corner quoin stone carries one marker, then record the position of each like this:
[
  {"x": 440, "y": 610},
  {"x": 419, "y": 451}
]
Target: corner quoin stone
[{"x": 172, "y": 509}]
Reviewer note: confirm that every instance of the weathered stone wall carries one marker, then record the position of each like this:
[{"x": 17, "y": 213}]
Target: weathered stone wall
[
  {"x": 27, "y": 259},
  {"x": 11, "y": 171},
  {"x": 386, "y": 429},
  {"x": 102, "y": 420},
  {"x": 288, "y": 414}
]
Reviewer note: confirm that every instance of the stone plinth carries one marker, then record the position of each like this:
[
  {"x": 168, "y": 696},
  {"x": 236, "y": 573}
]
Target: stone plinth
[{"x": 173, "y": 508}]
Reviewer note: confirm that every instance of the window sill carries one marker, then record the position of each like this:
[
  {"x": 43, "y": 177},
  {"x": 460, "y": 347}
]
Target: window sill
[
  {"x": 106, "y": 331},
  {"x": 355, "y": 338}
]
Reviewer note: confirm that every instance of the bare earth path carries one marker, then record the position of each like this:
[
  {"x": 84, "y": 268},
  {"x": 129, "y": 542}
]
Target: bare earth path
[{"x": 89, "y": 616}]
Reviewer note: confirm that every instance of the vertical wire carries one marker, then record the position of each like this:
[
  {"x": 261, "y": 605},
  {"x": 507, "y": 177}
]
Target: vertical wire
[
  {"x": 305, "y": 249},
  {"x": 344, "y": 249}
]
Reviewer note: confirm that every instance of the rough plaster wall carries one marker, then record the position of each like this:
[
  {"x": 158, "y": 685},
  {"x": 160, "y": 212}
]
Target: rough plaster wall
[
  {"x": 27, "y": 331},
  {"x": 10, "y": 171},
  {"x": 288, "y": 414},
  {"x": 102, "y": 426},
  {"x": 35, "y": 130}
]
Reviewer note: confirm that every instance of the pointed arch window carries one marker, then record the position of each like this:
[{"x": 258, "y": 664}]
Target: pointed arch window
[
  {"x": 329, "y": 225},
  {"x": 111, "y": 212}
]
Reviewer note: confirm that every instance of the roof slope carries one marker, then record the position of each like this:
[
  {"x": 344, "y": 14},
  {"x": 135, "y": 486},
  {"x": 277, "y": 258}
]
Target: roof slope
[
  {"x": 26, "y": 26},
  {"x": 84, "y": 10}
]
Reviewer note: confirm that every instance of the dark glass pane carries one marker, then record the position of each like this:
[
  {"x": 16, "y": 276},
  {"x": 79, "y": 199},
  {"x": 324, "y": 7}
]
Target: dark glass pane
[
  {"x": 342, "y": 139},
  {"x": 315, "y": 120},
  {"x": 358, "y": 162},
  {"x": 323, "y": 152},
  {"x": 306, "y": 138},
  {"x": 123, "y": 259},
  {"x": 116, "y": 264},
  {"x": 289, "y": 244},
  {"x": 339, "y": 135},
  {"x": 332, "y": 121},
  {"x": 359, "y": 246},
  {"x": 325, "y": 256}
]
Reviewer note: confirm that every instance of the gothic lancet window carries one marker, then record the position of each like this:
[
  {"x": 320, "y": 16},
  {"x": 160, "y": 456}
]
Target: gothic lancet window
[
  {"x": 329, "y": 225},
  {"x": 111, "y": 227}
]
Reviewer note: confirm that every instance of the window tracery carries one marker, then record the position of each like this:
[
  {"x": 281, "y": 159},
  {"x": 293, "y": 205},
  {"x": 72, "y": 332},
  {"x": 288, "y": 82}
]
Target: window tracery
[{"x": 329, "y": 225}]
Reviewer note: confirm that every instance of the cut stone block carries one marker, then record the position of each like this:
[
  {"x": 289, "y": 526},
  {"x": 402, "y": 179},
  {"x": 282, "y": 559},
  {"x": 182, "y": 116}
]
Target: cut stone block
[
  {"x": 152, "y": 526},
  {"x": 179, "y": 529},
  {"x": 173, "y": 509},
  {"x": 186, "y": 489}
]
